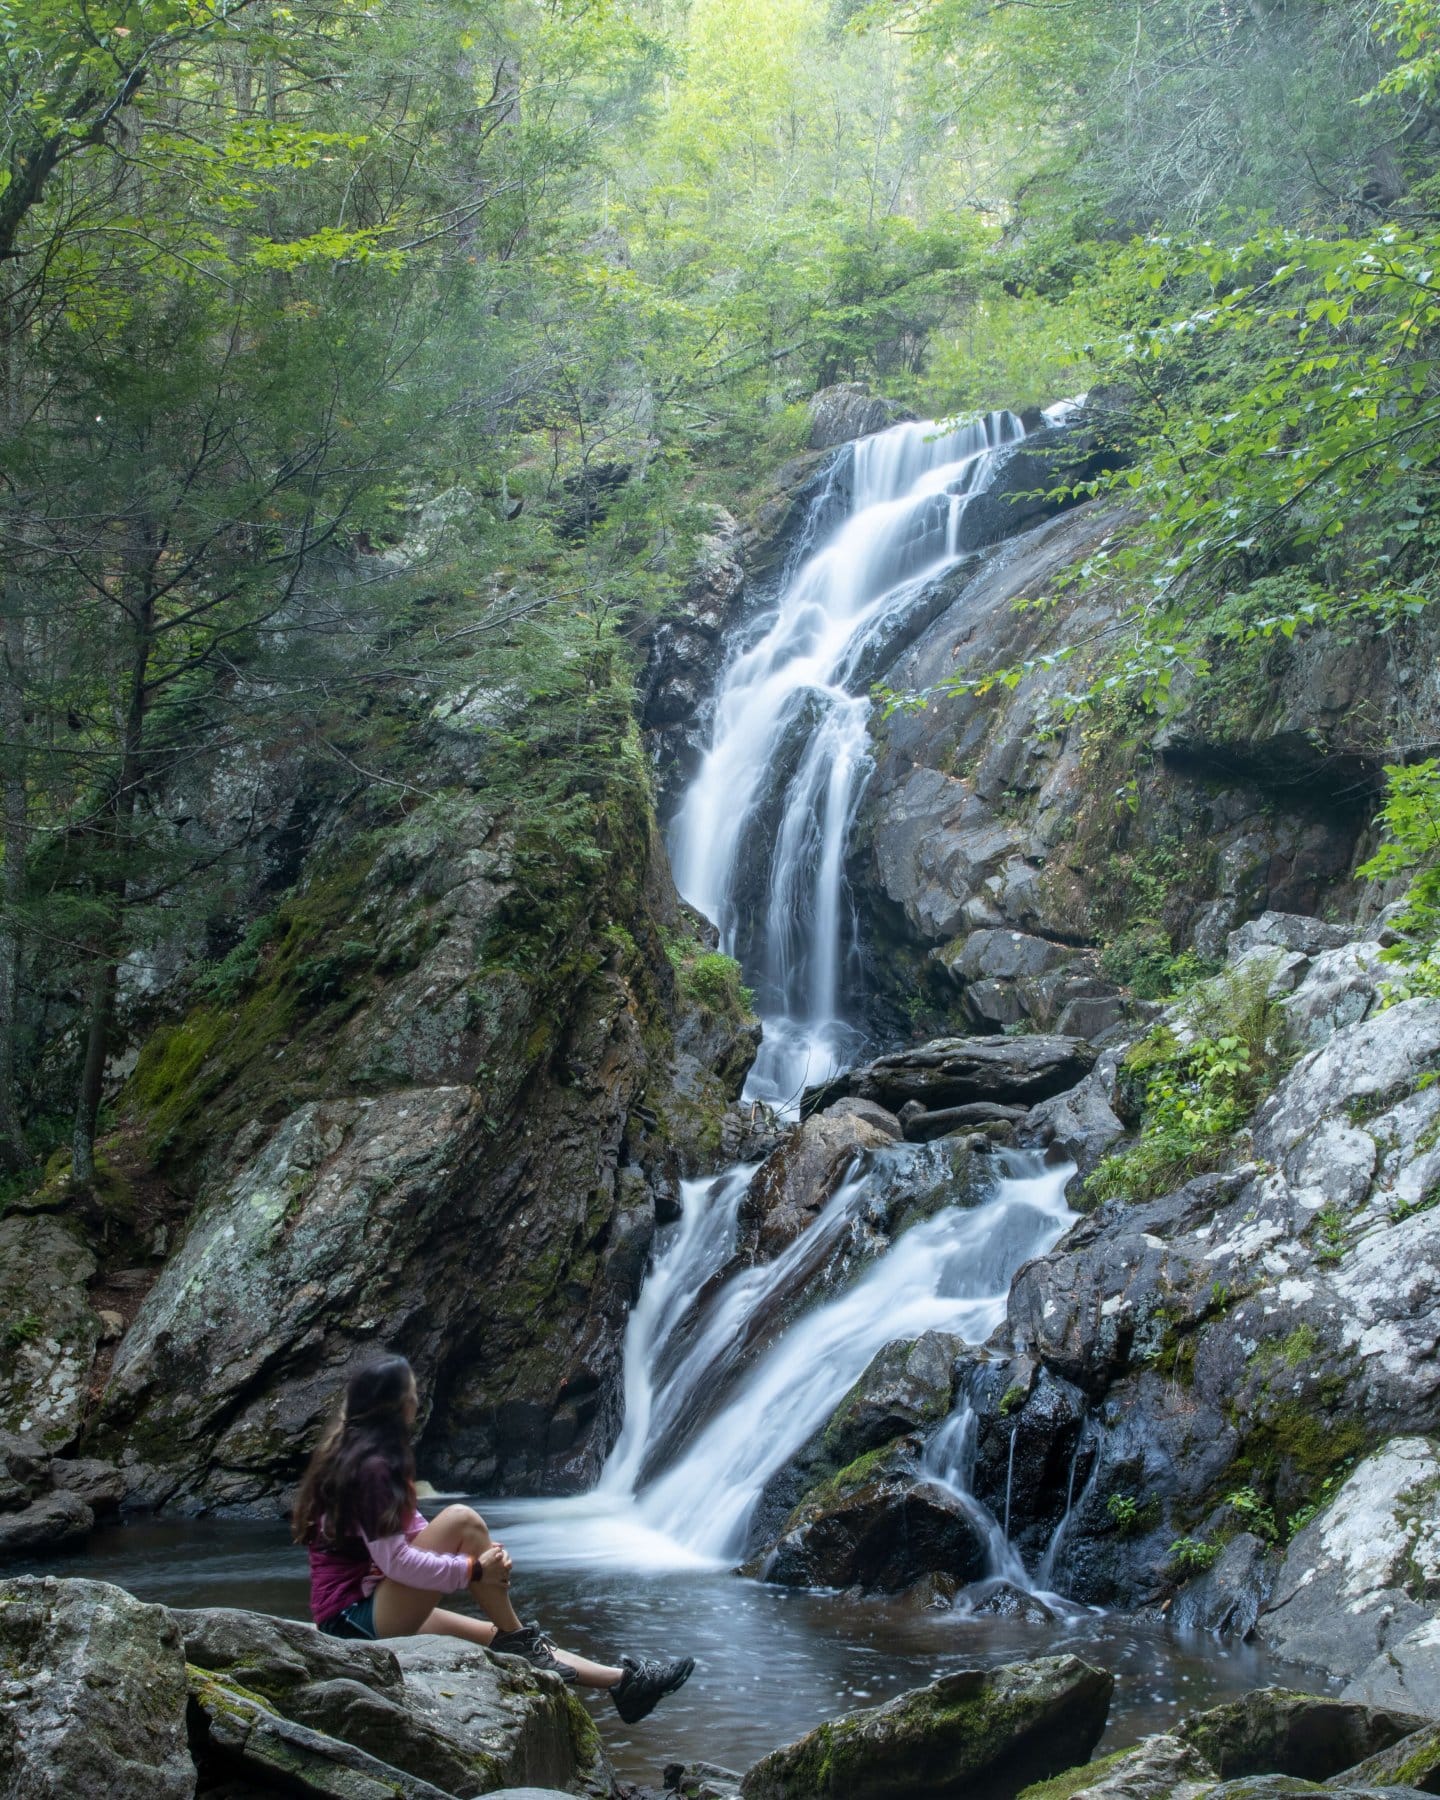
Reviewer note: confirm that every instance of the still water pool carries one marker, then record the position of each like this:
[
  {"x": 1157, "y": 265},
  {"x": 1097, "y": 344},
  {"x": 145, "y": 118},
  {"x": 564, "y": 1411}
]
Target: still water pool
[{"x": 771, "y": 1662}]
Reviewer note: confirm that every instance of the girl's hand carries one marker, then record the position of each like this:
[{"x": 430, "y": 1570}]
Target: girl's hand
[{"x": 492, "y": 1566}]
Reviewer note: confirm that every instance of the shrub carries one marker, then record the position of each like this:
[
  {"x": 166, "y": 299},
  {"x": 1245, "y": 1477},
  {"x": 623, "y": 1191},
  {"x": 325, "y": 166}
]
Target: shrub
[{"x": 1192, "y": 1556}]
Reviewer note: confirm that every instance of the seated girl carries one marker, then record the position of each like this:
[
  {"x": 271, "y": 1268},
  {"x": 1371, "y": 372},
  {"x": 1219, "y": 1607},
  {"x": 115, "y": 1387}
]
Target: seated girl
[{"x": 378, "y": 1569}]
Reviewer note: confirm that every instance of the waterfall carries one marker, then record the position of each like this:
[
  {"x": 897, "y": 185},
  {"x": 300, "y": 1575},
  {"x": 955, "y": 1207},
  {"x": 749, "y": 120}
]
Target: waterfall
[
  {"x": 788, "y": 691},
  {"x": 729, "y": 1369}
]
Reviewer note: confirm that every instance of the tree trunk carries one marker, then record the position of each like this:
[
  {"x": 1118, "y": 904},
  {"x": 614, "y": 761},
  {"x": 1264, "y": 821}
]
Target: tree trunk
[
  {"x": 114, "y": 880},
  {"x": 14, "y": 803}
]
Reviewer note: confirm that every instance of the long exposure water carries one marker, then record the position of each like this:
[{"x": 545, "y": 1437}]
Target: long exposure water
[
  {"x": 731, "y": 1366},
  {"x": 772, "y": 1662}
]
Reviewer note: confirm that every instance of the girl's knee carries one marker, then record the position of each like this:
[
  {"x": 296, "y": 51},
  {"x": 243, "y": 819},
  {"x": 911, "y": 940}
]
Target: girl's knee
[{"x": 466, "y": 1522}]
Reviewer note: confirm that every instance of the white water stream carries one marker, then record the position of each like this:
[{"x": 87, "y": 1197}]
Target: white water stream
[
  {"x": 792, "y": 679},
  {"x": 726, "y": 1379}
]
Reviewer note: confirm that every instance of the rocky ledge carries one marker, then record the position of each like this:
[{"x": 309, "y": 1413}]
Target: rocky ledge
[{"x": 106, "y": 1696}]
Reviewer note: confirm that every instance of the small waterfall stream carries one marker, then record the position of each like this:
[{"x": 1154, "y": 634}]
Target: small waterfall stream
[{"x": 728, "y": 1375}]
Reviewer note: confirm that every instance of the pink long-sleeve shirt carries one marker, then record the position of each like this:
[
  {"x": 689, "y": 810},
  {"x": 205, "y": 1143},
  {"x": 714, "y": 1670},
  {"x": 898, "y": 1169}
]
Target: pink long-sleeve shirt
[{"x": 350, "y": 1569}]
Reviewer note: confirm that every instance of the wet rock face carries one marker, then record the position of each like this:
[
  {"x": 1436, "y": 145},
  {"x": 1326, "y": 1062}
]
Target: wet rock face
[
  {"x": 494, "y": 1107},
  {"x": 792, "y": 1186},
  {"x": 876, "y": 1527},
  {"x": 978, "y": 1734},
  {"x": 49, "y": 1500}
]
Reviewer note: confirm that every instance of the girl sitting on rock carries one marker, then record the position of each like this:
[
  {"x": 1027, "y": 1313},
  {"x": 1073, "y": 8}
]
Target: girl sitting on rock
[{"x": 377, "y": 1568}]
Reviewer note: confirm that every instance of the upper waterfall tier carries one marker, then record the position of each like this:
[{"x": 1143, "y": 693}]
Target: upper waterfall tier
[{"x": 778, "y": 789}]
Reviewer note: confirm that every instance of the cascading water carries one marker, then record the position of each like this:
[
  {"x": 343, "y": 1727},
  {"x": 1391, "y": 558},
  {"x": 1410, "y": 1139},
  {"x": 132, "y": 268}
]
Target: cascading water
[
  {"x": 726, "y": 1379},
  {"x": 789, "y": 689}
]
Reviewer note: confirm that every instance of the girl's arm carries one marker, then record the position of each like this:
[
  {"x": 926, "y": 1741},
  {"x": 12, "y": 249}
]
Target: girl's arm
[{"x": 432, "y": 1571}]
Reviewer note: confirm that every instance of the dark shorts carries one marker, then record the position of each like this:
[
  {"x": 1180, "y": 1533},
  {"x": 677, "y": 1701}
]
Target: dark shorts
[{"x": 357, "y": 1621}]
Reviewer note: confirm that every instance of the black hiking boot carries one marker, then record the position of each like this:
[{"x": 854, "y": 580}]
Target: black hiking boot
[
  {"x": 537, "y": 1648},
  {"x": 646, "y": 1681}
]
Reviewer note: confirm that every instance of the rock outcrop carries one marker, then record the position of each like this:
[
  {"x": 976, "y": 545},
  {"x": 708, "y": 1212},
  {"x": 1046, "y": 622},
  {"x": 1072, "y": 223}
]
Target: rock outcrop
[
  {"x": 106, "y": 1696},
  {"x": 952, "y": 1072}
]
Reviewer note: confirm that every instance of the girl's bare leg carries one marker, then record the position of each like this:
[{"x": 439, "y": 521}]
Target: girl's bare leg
[{"x": 401, "y": 1611}]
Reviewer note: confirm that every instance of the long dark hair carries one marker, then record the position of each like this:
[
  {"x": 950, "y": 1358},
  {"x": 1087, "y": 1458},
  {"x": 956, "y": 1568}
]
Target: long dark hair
[{"x": 369, "y": 1433}]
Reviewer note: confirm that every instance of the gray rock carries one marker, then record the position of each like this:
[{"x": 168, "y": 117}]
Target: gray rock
[
  {"x": 1005, "y": 1601},
  {"x": 438, "y": 1710},
  {"x": 52, "y": 1520},
  {"x": 94, "y": 1695},
  {"x": 1005, "y": 955},
  {"x": 45, "y": 1269},
  {"x": 1158, "y": 1768},
  {"x": 1291, "y": 1787},
  {"x": 924, "y": 1127},
  {"x": 1274, "y": 1731},
  {"x": 1286, "y": 931},
  {"x": 702, "y": 1781},
  {"x": 1341, "y": 988},
  {"x": 792, "y": 1186},
  {"x": 975, "y": 1735},
  {"x": 1406, "y": 1674},
  {"x": 877, "y": 1527},
  {"x": 957, "y": 1071},
  {"x": 906, "y": 1387},
  {"x": 849, "y": 410},
  {"x": 1081, "y": 1123},
  {"x": 1227, "y": 1599},
  {"x": 1356, "y": 1579},
  {"x": 237, "y": 1731},
  {"x": 870, "y": 1111},
  {"x": 99, "y": 1484}
]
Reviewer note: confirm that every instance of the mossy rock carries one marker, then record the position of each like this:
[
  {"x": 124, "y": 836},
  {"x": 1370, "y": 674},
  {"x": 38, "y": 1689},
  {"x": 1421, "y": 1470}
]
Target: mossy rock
[{"x": 979, "y": 1734}]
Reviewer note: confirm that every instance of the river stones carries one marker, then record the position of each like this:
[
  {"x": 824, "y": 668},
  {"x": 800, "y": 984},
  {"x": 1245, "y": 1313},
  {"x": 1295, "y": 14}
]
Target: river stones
[
  {"x": 979, "y": 1734},
  {"x": 93, "y": 1691},
  {"x": 956, "y": 1071},
  {"x": 1274, "y": 1731}
]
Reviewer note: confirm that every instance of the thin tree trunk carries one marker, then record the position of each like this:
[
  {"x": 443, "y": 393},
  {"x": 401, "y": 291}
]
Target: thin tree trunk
[
  {"x": 114, "y": 881},
  {"x": 14, "y": 803}
]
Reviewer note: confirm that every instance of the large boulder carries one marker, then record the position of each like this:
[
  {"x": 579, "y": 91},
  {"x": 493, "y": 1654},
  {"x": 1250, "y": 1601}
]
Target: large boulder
[
  {"x": 875, "y": 1525},
  {"x": 907, "y": 1387},
  {"x": 1273, "y": 1731},
  {"x": 438, "y": 1710},
  {"x": 975, "y": 1735},
  {"x": 1158, "y": 1768},
  {"x": 1364, "y": 1573},
  {"x": 93, "y": 1685},
  {"x": 849, "y": 410},
  {"x": 955, "y": 1071}
]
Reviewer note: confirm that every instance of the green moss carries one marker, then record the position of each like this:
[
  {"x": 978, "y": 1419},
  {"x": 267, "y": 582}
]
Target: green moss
[{"x": 1061, "y": 1787}]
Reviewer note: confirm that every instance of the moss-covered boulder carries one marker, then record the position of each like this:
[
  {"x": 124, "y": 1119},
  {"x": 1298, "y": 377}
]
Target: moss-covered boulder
[
  {"x": 980, "y": 1734},
  {"x": 1412, "y": 1762},
  {"x": 1158, "y": 1768},
  {"x": 1274, "y": 1731}
]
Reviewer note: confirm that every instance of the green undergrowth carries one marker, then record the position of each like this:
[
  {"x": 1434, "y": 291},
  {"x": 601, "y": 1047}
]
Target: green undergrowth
[{"x": 1194, "y": 1081}]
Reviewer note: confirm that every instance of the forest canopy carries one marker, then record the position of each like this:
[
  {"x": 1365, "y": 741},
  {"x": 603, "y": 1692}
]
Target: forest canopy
[{"x": 352, "y": 352}]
